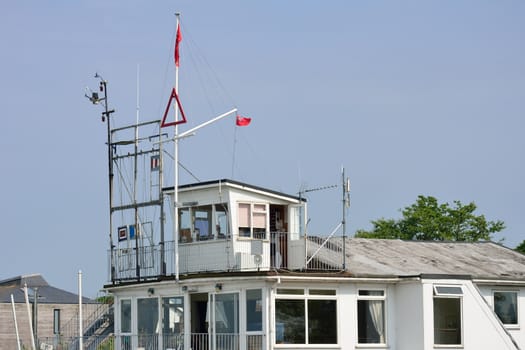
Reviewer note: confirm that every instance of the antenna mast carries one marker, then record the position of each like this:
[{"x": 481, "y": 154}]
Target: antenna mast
[
  {"x": 346, "y": 204},
  {"x": 95, "y": 99},
  {"x": 306, "y": 221}
]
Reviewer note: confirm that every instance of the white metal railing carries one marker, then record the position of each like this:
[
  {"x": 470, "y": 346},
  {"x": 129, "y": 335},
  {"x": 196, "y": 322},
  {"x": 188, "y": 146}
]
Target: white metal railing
[
  {"x": 218, "y": 255},
  {"x": 198, "y": 341}
]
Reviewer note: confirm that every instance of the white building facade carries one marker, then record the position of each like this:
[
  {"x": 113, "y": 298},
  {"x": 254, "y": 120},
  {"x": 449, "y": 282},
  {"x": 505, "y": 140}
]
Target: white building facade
[{"x": 249, "y": 278}]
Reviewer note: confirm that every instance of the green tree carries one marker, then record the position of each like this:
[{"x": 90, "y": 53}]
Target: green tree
[
  {"x": 521, "y": 247},
  {"x": 427, "y": 219}
]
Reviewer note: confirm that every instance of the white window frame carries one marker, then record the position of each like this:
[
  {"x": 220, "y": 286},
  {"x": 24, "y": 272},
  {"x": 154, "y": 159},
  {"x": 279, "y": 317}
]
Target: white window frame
[
  {"x": 372, "y": 297},
  {"x": 448, "y": 291},
  {"x": 306, "y": 296},
  {"x": 508, "y": 325},
  {"x": 252, "y": 209},
  {"x": 130, "y": 300}
]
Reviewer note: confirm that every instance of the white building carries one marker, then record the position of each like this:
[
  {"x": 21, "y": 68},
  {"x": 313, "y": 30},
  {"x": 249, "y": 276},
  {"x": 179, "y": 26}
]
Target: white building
[{"x": 248, "y": 278}]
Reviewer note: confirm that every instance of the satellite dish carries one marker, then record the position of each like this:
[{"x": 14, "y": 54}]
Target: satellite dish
[{"x": 257, "y": 258}]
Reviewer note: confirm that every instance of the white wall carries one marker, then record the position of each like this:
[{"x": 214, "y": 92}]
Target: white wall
[
  {"x": 407, "y": 325},
  {"x": 480, "y": 327},
  {"x": 517, "y": 332},
  {"x": 409, "y": 310}
]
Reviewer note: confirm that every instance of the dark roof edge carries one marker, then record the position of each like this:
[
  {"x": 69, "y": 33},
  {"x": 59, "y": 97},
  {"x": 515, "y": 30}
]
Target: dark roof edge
[
  {"x": 234, "y": 182},
  {"x": 439, "y": 276}
]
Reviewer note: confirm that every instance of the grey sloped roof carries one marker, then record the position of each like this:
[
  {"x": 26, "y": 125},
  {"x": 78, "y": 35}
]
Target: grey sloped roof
[
  {"x": 46, "y": 294},
  {"x": 397, "y": 257},
  {"x": 479, "y": 260}
]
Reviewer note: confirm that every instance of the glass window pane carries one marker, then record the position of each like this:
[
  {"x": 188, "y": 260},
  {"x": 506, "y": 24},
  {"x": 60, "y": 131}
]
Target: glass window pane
[
  {"x": 185, "y": 225},
  {"x": 173, "y": 315},
  {"x": 173, "y": 322},
  {"x": 227, "y": 313},
  {"x": 221, "y": 220},
  {"x": 259, "y": 233},
  {"x": 322, "y": 322},
  {"x": 125, "y": 316},
  {"x": 371, "y": 321},
  {"x": 147, "y": 315},
  {"x": 321, "y": 292},
  {"x": 202, "y": 222},
  {"x": 290, "y": 291},
  {"x": 447, "y": 321},
  {"x": 450, "y": 290},
  {"x": 244, "y": 232},
  {"x": 506, "y": 307},
  {"x": 56, "y": 321},
  {"x": 184, "y": 218},
  {"x": 254, "y": 310},
  {"x": 377, "y": 293},
  {"x": 289, "y": 321}
]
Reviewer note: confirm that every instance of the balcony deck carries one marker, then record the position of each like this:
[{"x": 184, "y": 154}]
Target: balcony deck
[{"x": 223, "y": 255}]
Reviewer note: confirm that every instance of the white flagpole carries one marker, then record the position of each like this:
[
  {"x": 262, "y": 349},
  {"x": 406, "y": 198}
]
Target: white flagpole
[
  {"x": 30, "y": 318},
  {"x": 16, "y": 323},
  {"x": 176, "y": 165},
  {"x": 80, "y": 317}
]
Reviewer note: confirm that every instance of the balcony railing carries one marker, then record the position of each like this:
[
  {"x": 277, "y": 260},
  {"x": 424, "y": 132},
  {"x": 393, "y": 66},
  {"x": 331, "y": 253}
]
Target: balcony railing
[
  {"x": 197, "y": 341},
  {"x": 220, "y": 255}
]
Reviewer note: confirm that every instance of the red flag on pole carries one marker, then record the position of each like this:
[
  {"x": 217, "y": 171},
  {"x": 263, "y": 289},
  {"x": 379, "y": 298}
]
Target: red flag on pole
[
  {"x": 242, "y": 121},
  {"x": 178, "y": 39}
]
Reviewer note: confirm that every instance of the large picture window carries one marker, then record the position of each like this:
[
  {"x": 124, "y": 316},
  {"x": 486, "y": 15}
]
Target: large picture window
[
  {"x": 203, "y": 223},
  {"x": 447, "y": 315},
  {"x": 506, "y": 307},
  {"x": 371, "y": 316},
  {"x": 252, "y": 219},
  {"x": 305, "y": 317}
]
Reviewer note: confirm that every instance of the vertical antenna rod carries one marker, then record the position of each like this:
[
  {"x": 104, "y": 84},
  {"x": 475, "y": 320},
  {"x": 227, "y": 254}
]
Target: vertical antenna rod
[
  {"x": 94, "y": 98},
  {"x": 106, "y": 115},
  {"x": 135, "y": 175},
  {"x": 346, "y": 203}
]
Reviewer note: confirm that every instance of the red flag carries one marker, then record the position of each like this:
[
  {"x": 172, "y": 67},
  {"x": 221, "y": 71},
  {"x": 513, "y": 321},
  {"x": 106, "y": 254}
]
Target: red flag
[
  {"x": 243, "y": 121},
  {"x": 178, "y": 39}
]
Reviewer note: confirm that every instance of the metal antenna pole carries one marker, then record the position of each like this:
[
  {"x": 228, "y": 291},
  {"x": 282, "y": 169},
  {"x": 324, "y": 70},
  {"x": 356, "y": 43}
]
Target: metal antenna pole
[
  {"x": 346, "y": 204},
  {"x": 161, "y": 199},
  {"x": 135, "y": 172},
  {"x": 307, "y": 220},
  {"x": 106, "y": 115},
  {"x": 103, "y": 87},
  {"x": 344, "y": 217}
]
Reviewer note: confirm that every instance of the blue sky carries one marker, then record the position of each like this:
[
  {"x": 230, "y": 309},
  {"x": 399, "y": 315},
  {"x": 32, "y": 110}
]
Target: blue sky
[{"x": 410, "y": 97}]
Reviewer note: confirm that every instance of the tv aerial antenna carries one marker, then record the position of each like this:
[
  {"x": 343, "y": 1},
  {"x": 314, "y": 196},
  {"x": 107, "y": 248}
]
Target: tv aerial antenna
[{"x": 301, "y": 196}]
